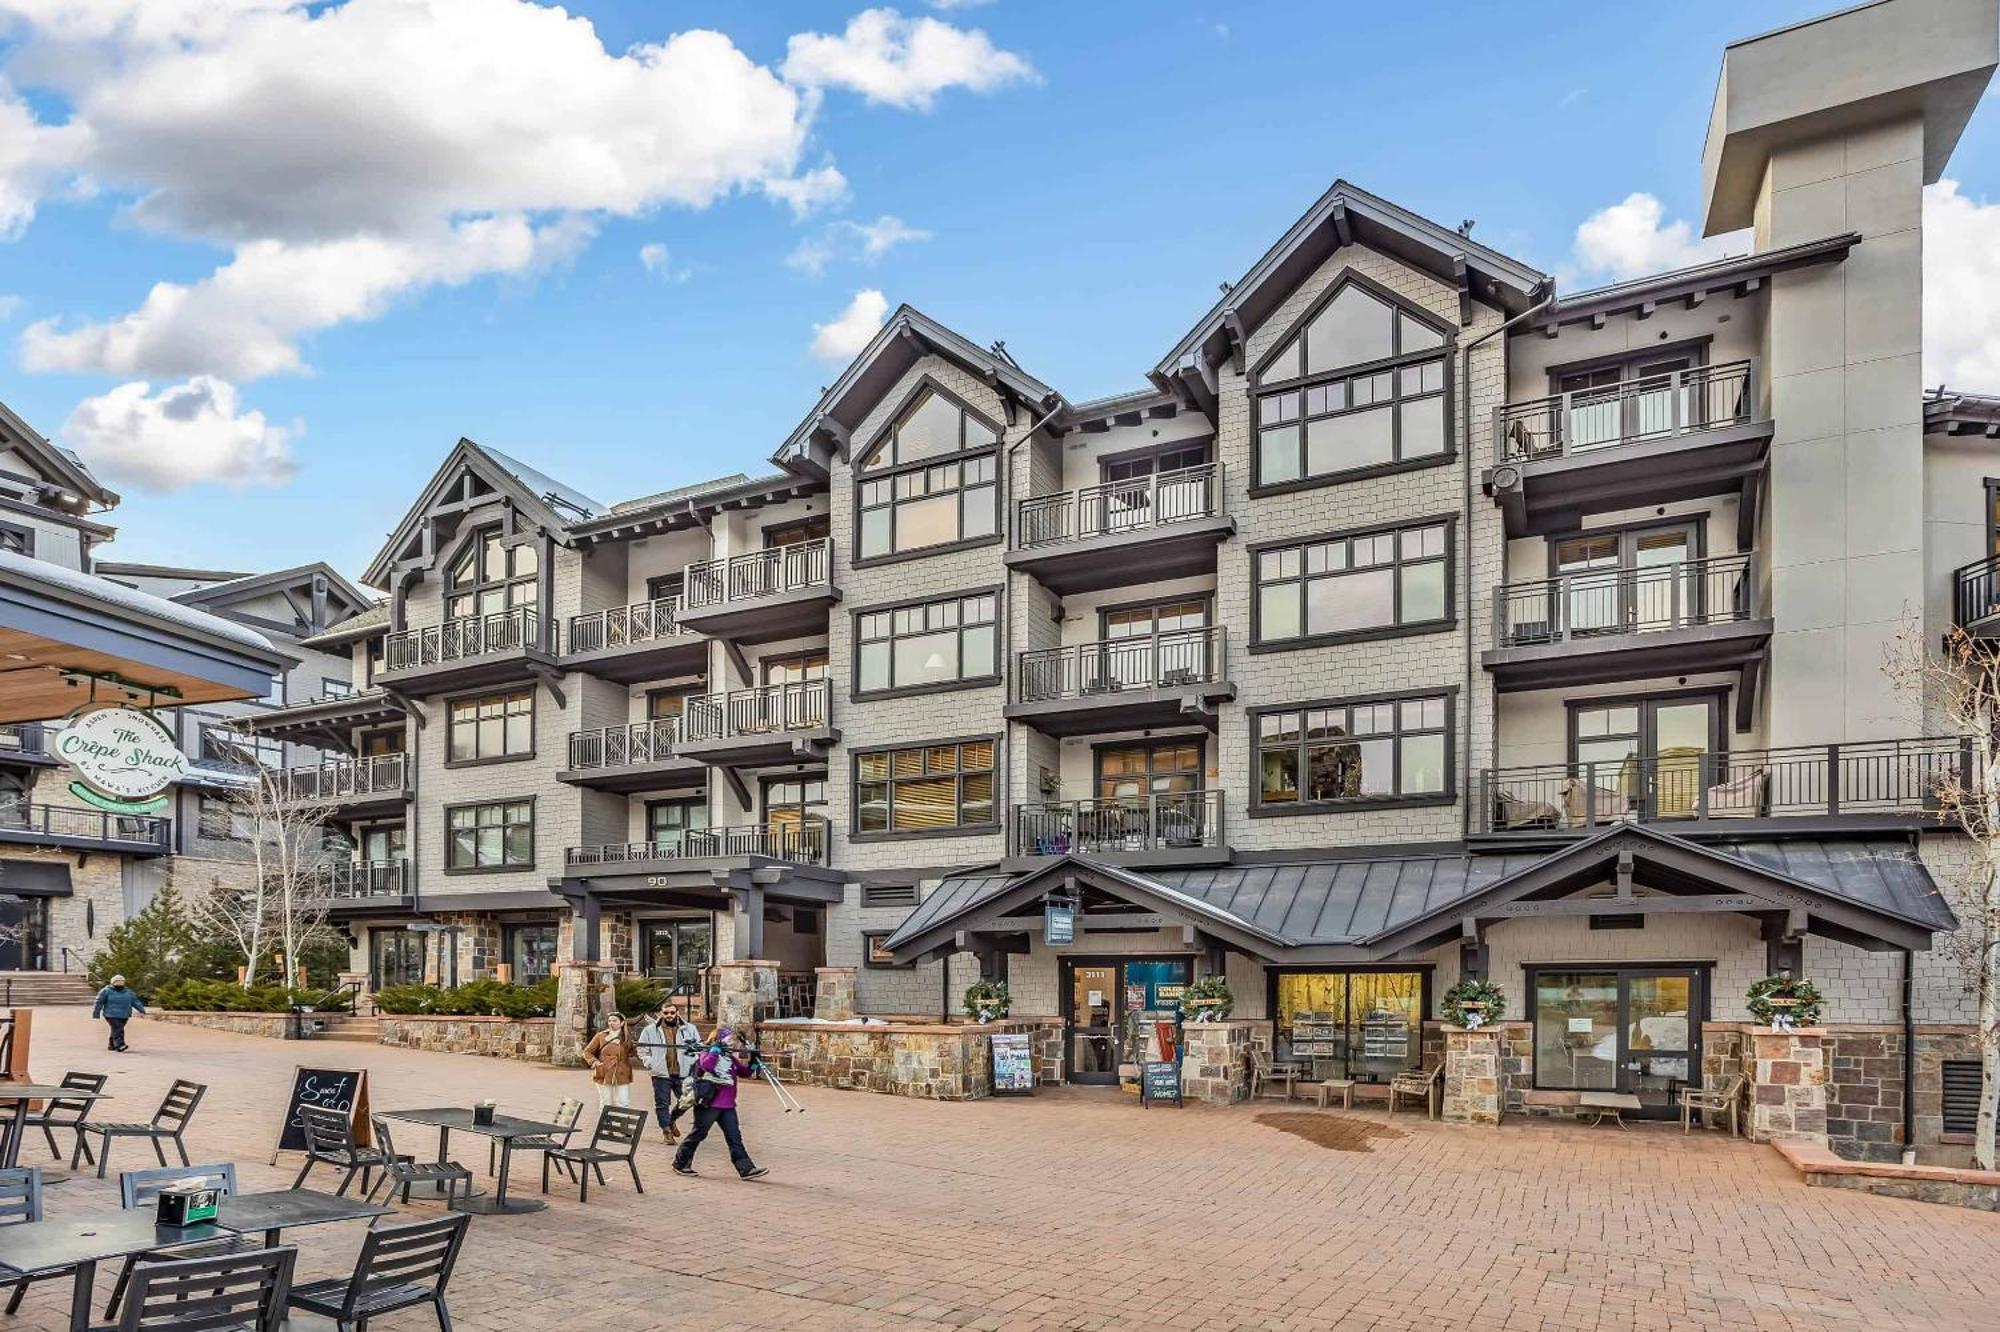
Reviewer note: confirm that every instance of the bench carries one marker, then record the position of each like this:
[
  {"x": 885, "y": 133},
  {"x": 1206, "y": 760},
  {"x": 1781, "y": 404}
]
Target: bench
[{"x": 1612, "y": 1104}]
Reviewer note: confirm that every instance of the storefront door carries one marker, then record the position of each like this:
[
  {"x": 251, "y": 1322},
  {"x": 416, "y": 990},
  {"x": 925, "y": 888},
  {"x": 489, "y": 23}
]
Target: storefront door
[
  {"x": 395, "y": 957},
  {"x": 1629, "y": 1029},
  {"x": 1098, "y": 996},
  {"x": 24, "y": 934}
]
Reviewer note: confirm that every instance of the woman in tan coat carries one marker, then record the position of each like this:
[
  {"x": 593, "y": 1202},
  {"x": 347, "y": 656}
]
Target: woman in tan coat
[{"x": 610, "y": 1055}]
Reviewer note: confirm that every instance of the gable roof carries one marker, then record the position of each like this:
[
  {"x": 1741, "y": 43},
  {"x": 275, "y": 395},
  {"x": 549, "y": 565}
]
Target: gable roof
[
  {"x": 241, "y": 586},
  {"x": 61, "y": 465},
  {"x": 544, "y": 501}
]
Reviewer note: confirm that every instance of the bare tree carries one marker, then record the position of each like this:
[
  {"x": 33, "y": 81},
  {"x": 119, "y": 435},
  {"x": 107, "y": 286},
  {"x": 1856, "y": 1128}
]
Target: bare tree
[{"x": 1959, "y": 685}]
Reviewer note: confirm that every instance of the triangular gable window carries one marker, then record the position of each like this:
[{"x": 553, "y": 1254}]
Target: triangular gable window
[
  {"x": 1354, "y": 328},
  {"x": 932, "y": 426}
]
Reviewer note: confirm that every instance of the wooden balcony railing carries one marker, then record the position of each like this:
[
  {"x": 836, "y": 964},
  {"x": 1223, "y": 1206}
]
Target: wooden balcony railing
[
  {"x": 761, "y": 573},
  {"x": 622, "y": 626},
  {"x": 345, "y": 779},
  {"x": 1704, "y": 397},
  {"x": 617, "y": 746},
  {"x": 1103, "y": 669},
  {"x": 67, "y": 823},
  {"x": 1976, "y": 593},
  {"x": 1862, "y": 777},
  {"x": 771, "y": 710},
  {"x": 1175, "y": 821},
  {"x": 364, "y": 878},
  {"x": 1116, "y": 507},
  {"x": 514, "y": 630},
  {"x": 1596, "y": 604},
  {"x": 803, "y": 844}
]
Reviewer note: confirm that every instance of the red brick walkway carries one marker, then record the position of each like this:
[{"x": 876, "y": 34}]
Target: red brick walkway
[{"x": 1078, "y": 1210}]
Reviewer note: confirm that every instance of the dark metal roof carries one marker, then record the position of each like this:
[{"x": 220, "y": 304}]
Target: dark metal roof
[
  {"x": 1700, "y": 280},
  {"x": 1883, "y": 875},
  {"x": 956, "y": 895}
]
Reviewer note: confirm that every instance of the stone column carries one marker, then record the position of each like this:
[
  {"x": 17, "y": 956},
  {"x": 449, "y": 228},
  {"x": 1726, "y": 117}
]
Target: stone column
[
  {"x": 585, "y": 997},
  {"x": 1472, "y": 1075},
  {"x": 1215, "y": 1064},
  {"x": 746, "y": 992},
  {"x": 1788, "y": 1086},
  {"x": 833, "y": 993}
]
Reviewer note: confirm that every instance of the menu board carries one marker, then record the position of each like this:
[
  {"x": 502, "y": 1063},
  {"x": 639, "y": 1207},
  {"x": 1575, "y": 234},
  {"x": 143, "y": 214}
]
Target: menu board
[
  {"x": 343, "y": 1089},
  {"x": 1159, "y": 1082},
  {"x": 1013, "y": 1064}
]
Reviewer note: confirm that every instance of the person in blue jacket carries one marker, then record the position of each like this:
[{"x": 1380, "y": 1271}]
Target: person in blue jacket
[{"x": 116, "y": 1005}]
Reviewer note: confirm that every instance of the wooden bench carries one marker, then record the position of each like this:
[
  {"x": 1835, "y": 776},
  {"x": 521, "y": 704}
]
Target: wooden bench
[
  {"x": 1612, "y": 1104},
  {"x": 1344, "y": 1087}
]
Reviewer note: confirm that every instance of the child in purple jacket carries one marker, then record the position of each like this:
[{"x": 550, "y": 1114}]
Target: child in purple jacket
[{"x": 716, "y": 1072}]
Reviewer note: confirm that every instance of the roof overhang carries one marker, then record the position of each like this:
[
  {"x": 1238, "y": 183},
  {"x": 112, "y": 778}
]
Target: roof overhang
[
  {"x": 692, "y": 511},
  {"x": 466, "y": 460},
  {"x": 1962, "y": 414},
  {"x": 1737, "y": 276}
]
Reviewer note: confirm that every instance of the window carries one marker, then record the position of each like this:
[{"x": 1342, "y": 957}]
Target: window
[
  {"x": 531, "y": 951},
  {"x": 815, "y": 528},
  {"x": 376, "y": 743},
  {"x": 490, "y": 578},
  {"x": 665, "y": 587},
  {"x": 938, "y": 642},
  {"x": 923, "y": 502},
  {"x": 932, "y": 788},
  {"x": 797, "y": 668},
  {"x": 225, "y": 820},
  {"x": 1354, "y": 1023},
  {"x": 1354, "y": 752},
  {"x": 332, "y": 688},
  {"x": 496, "y": 836},
  {"x": 14, "y": 537},
  {"x": 667, "y": 704},
  {"x": 875, "y": 955},
  {"x": 220, "y": 744},
  {"x": 668, "y": 822},
  {"x": 1366, "y": 386},
  {"x": 494, "y": 726},
  {"x": 1165, "y": 767},
  {"x": 1355, "y": 585}
]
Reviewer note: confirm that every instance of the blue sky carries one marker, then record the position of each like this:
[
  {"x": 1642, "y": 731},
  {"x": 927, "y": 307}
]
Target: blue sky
[{"x": 1082, "y": 178}]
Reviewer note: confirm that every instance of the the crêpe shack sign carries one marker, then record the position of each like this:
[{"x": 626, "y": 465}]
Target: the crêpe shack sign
[{"x": 123, "y": 759}]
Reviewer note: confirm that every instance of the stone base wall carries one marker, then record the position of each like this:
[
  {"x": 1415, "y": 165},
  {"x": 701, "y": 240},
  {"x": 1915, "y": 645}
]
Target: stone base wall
[
  {"x": 1473, "y": 1089},
  {"x": 243, "y": 1024},
  {"x": 833, "y": 993},
  {"x": 1821, "y": 1168},
  {"x": 528, "y": 1039},
  {"x": 1216, "y": 1065},
  {"x": 934, "y": 1061},
  {"x": 1047, "y": 1048},
  {"x": 1788, "y": 1073}
]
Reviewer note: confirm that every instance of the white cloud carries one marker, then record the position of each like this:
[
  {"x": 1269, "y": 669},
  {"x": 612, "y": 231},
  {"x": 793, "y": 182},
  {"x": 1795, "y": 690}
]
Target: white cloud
[
  {"x": 903, "y": 62},
  {"x": 810, "y": 191},
  {"x": 1961, "y": 290},
  {"x": 658, "y": 260},
  {"x": 187, "y": 434},
  {"x": 1631, "y": 239},
  {"x": 844, "y": 239},
  {"x": 849, "y": 331}
]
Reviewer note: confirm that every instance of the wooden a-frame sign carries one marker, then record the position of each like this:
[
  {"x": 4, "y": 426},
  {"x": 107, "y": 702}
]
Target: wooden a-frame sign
[{"x": 343, "y": 1089}]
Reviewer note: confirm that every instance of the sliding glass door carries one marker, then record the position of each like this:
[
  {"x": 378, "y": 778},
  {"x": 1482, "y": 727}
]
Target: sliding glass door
[{"x": 1622, "y": 1029}]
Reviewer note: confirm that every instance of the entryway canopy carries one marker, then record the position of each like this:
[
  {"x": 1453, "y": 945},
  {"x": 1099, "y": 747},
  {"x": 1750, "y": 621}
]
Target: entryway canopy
[{"x": 1872, "y": 893}]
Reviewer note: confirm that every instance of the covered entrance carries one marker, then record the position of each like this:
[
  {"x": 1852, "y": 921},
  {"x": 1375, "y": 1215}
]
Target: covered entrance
[
  {"x": 1627, "y": 1029},
  {"x": 1100, "y": 997}
]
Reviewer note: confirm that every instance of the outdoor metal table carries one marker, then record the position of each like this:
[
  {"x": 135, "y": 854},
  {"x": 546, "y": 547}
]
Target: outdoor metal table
[
  {"x": 504, "y": 1129},
  {"x": 80, "y": 1242},
  {"x": 16, "y": 1096},
  {"x": 282, "y": 1209}
]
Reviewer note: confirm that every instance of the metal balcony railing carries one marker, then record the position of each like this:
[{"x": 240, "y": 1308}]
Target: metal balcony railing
[
  {"x": 342, "y": 779},
  {"x": 1862, "y": 777},
  {"x": 622, "y": 626},
  {"x": 1115, "y": 507},
  {"x": 26, "y": 738},
  {"x": 1104, "y": 668},
  {"x": 364, "y": 878},
  {"x": 800, "y": 843},
  {"x": 1606, "y": 603},
  {"x": 1705, "y": 397},
  {"x": 771, "y": 710},
  {"x": 473, "y": 636},
  {"x": 1976, "y": 592},
  {"x": 761, "y": 573},
  {"x": 70, "y": 824},
  {"x": 616, "y": 746},
  {"x": 1174, "y": 821}
]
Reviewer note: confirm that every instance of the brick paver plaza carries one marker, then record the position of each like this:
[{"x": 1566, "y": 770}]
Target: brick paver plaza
[{"x": 1076, "y": 1209}]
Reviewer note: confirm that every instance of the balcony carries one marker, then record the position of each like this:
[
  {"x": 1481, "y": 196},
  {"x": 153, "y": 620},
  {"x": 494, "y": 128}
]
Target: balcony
[
  {"x": 1179, "y": 828},
  {"x": 1859, "y": 786},
  {"x": 1975, "y": 600},
  {"x": 1139, "y": 530},
  {"x": 506, "y": 647},
  {"x": 750, "y": 728},
  {"x": 327, "y": 721},
  {"x": 1604, "y": 625},
  {"x": 765, "y": 595},
  {"x": 377, "y": 783},
  {"x": 1676, "y": 436},
  {"x": 1124, "y": 683},
  {"x": 636, "y": 757},
  {"x": 75, "y": 829},
  {"x": 797, "y": 844},
  {"x": 364, "y": 881},
  {"x": 25, "y": 743},
  {"x": 642, "y": 641}
]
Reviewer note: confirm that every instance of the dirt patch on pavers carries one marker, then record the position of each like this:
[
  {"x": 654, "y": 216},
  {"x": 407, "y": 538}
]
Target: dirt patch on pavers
[{"x": 1332, "y": 1131}]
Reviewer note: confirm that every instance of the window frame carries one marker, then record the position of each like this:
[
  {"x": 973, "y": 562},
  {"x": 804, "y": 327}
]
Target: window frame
[
  {"x": 997, "y": 591},
  {"x": 474, "y": 545},
  {"x": 483, "y": 760},
  {"x": 1258, "y": 809},
  {"x": 864, "y": 476},
  {"x": 1449, "y": 622},
  {"x": 1151, "y": 744},
  {"x": 526, "y": 867},
  {"x": 19, "y": 533},
  {"x": 1717, "y": 697},
  {"x": 686, "y": 802},
  {"x": 511, "y": 932},
  {"x": 1257, "y": 389},
  {"x": 869, "y": 938},
  {"x": 1992, "y": 523},
  {"x": 891, "y": 833}
]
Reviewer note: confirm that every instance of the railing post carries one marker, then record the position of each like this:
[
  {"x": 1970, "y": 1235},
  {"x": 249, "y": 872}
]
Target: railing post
[
  {"x": 1676, "y": 387},
  {"x": 1590, "y": 794},
  {"x": 1833, "y": 779}
]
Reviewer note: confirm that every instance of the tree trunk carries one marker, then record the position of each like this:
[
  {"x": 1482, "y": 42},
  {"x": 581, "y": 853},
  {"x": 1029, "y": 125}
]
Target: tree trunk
[{"x": 1989, "y": 1042}]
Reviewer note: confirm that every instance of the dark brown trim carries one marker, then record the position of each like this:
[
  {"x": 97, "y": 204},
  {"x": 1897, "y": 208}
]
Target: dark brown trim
[
  {"x": 856, "y": 694},
  {"x": 854, "y": 757},
  {"x": 1258, "y": 491},
  {"x": 1154, "y": 448},
  {"x": 1701, "y": 1006},
  {"x": 929, "y": 381},
  {"x": 1448, "y": 622},
  {"x": 1717, "y": 694},
  {"x": 444, "y": 826},
  {"x": 1153, "y": 603},
  {"x": 1350, "y": 277},
  {"x": 858, "y": 478},
  {"x": 1697, "y": 345},
  {"x": 1257, "y": 809},
  {"x": 1992, "y": 523},
  {"x": 868, "y": 962},
  {"x": 923, "y": 552},
  {"x": 477, "y": 695},
  {"x": 1149, "y": 741}
]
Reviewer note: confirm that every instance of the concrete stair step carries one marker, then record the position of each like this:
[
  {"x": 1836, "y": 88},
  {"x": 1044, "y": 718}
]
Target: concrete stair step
[{"x": 42, "y": 989}]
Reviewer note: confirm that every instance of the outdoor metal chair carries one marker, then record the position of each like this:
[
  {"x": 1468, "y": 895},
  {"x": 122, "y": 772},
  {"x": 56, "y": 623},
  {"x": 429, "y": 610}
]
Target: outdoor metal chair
[
  {"x": 21, "y": 1201},
  {"x": 1726, "y": 1097},
  {"x": 242, "y": 1293},
  {"x": 1423, "y": 1083},
  {"x": 399, "y": 1266},
  {"x": 569, "y": 1112},
  {"x": 403, "y": 1171},
  {"x": 61, "y": 1113},
  {"x": 616, "y": 1138},
  {"x": 170, "y": 1121},
  {"x": 141, "y": 1188},
  {"x": 330, "y": 1139}
]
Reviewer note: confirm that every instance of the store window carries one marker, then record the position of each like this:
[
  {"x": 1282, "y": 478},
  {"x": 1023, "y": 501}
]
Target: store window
[
  {"x": 493, "y": 726},
  {"x": 1366, "y": 1025},
  {"x": 936, "y": 642},
  {"x": 1341, "y": 753},
  {"x": 1343, "y": 586}
]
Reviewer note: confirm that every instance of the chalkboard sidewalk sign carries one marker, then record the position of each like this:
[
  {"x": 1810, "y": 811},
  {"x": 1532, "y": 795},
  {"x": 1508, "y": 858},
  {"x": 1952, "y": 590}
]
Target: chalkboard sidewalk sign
[
  {"x": 344, "y": 1089},
  {"x": 1160, "y": 1081},
  {"x": 1013, "y": 1064}
]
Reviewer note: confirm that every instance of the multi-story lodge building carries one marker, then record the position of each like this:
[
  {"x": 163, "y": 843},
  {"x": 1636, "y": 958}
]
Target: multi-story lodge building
[{"x": 1412, "y": 620}]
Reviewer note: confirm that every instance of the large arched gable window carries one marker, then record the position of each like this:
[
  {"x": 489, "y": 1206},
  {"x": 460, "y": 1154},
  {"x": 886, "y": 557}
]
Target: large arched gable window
[
  {"x": 1360, "y": 383},
  {"x": 930, "y": 478}
]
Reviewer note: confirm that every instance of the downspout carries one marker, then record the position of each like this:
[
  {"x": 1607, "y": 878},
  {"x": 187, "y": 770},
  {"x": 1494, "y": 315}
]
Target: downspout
[
  {"x": 1465, "y": 564},
  {"x": 1909, "y": 1059}
]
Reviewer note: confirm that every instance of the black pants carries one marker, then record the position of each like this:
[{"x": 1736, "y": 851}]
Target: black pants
[
  {"x": 705, "y": 1118},
  {"x": 117, "y": 1026},
  {"x": 666, "y": 1098}
]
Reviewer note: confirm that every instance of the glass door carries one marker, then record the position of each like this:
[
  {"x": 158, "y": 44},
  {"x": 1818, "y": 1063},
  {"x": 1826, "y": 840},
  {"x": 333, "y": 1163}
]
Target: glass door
[
  {"x": 1162, "y": 643},
  {"x": 679, "y": 951},
  {"x": 395, "y": 957},
  {"x": 1661, "y": 1041},
  {"x": 1092, "y": 1001},
  {"x": 1630, "y": 1029},
  {"x": 1647, "y": 751},
  {"x": 1588, "y": 569}
]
